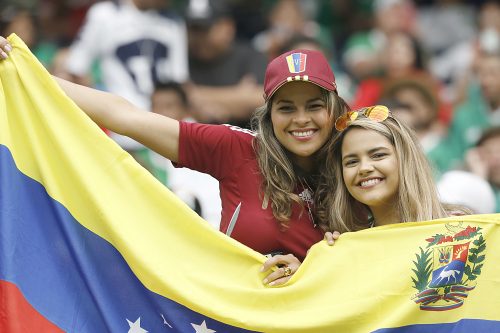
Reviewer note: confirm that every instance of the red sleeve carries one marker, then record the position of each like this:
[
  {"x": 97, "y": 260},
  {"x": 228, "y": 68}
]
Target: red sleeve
[{"x": 213, "y": 149}]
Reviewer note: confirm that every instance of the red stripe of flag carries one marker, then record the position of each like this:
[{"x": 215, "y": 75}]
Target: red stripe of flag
[{"x": 17, "y": 315}]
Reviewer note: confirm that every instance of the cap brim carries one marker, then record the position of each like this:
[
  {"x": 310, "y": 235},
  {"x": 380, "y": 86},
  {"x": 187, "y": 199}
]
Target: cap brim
[{"x": 320, "y": 83}]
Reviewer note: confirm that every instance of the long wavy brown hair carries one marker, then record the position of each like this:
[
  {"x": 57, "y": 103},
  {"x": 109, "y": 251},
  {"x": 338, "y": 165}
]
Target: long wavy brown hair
[
  {"x": 417, "y": 193},
  {"x": 280, "y": 176}
]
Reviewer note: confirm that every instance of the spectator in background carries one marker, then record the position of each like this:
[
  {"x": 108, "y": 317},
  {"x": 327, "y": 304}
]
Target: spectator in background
[
  {"x": 226, "y": 75},
  {"x": 416, "y": 103},
  {"x": 341, "y": 19},
  {"x": 445, "y": 23},
  {"x": 198, "y": 190},
  {"x": 60, "y": 20},
  {"x": 22, "y": 22},
  {"x": 403, "y": 58},
  {"x": 363, "y": 50},
  {"x": 480, "y": 110},
  {"x": 250, "y": 17},
  {"x": 484, "y": 160},
  {"x": 286, "y": 19},
  {"x": 170, "y": 100},
  {"x": 455, "y": 64},
  {"x": 136, "y": 43}
]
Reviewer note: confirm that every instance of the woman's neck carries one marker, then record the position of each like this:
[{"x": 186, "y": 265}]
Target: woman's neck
[
  {"x": 306, "y": 165},
  {"x": 384, "y": 215}
]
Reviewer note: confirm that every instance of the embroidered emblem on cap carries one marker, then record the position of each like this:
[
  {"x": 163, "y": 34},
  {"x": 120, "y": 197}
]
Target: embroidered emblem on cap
[
  {"x": 292, "y": 66},
  {"x": 296, "y": 62}
]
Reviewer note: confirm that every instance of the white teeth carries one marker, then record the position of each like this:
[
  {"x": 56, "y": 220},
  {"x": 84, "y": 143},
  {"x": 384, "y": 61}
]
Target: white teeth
[
  {"x": 302, "y": 134},
  {"x": 370, "y": 182}
]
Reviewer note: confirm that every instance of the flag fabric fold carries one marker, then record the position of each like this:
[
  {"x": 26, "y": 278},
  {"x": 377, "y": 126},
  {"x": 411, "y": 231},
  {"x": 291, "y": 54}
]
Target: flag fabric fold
[{"x": 91, "y": 242}]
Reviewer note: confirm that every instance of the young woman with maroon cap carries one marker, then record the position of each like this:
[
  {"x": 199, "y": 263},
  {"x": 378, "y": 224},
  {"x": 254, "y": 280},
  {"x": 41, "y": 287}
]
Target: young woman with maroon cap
[{"x": 266, "y": 177}]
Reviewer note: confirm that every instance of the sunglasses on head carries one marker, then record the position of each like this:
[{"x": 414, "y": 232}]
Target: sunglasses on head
[{"x": 376, "y": 113}]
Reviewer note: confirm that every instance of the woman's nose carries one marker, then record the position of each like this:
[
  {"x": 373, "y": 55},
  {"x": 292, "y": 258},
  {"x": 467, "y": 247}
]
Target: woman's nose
[
  {"x": 366, "y": 166},
  {"x": 302, "y": 117}
]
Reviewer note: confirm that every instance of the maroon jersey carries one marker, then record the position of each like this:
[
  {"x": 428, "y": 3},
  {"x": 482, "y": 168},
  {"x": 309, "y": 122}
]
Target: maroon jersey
[{"x": 226, "y": 153}]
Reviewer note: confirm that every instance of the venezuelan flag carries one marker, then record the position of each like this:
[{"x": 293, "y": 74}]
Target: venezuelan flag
[{"x": 90, "y": 242}]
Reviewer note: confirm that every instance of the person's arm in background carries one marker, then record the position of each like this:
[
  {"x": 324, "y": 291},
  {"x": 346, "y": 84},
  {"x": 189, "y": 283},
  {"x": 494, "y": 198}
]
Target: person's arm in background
[{"x": 221, "y": 104}]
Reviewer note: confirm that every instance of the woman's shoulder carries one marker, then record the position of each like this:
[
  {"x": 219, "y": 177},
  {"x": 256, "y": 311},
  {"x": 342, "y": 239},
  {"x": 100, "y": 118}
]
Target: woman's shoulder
[
  {"x": 241, "y": 132},
  {"x": 229, "y": 136},
  {"x": 223, "y": 128}
]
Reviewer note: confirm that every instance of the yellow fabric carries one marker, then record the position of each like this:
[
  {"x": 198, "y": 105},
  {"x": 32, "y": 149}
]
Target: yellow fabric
[{"x": 362, "y": 283}]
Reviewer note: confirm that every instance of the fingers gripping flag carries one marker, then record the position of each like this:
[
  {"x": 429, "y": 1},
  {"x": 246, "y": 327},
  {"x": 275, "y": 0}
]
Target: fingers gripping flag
[{"x": 90, "y": 242}]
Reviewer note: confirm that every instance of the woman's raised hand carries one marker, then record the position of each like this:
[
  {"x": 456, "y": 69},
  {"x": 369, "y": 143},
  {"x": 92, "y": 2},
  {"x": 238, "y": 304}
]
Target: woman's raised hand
[{"x": 5, "y": 48}]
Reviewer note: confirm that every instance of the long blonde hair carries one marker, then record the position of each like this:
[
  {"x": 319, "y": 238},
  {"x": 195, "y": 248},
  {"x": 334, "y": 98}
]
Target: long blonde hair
[
  {"x": 279, "y": 174},
  {"x": 417, "y": 193}
]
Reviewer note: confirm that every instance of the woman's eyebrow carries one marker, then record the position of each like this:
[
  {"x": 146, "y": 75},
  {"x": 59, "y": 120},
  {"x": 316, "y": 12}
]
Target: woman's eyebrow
[
  {"x": 349, "y": 156},
  {"x": 371, "y": 151},
  {"x": 283, "y": 101}
]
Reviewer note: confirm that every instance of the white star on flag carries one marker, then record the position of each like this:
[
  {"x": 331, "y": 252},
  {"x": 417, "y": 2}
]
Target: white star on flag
[
  {"x": 135, "y": 327},
  {"x": 202, "y": 328},
  {"x": 165, "y": 321}
]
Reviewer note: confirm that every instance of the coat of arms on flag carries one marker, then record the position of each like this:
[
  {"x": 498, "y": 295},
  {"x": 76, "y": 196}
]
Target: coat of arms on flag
[{"x": 445, "y": 272}]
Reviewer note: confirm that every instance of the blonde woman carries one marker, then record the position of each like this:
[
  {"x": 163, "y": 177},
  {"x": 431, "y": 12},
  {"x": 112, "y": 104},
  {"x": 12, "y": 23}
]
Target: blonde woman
[
  {"x": 266, "y": 177},
  {"x": 377, "y": 169}
]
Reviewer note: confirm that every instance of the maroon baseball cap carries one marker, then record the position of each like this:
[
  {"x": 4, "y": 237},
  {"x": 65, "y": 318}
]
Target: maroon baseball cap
[{"x": 298, "y": 65}]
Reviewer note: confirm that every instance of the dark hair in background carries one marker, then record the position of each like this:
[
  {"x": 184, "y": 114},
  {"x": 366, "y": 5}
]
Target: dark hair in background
[
  {"x": 420, "y": 84},
  {"x": 175, "y": 87}
]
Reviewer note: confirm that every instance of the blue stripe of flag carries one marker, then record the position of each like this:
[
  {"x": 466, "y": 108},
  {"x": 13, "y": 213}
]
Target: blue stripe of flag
[{"x": 461, "y": 326}]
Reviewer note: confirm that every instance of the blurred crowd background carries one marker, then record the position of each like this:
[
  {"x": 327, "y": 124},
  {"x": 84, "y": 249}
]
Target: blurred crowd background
[{"x": 436, "y": 64}]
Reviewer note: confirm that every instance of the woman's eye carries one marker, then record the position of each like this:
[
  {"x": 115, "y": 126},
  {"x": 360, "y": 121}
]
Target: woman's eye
[
  {"x": 285, "y": 109},
  {"x": 316, "y": 106},
  {"x": 379, "y": 155},
  {"x": 349, "y": 163}
]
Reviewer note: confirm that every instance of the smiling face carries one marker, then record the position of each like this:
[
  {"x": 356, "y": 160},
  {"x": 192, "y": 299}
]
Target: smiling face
[
  {"x": 370, "y": 168},
  {"x": 301, "y": 121}
]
